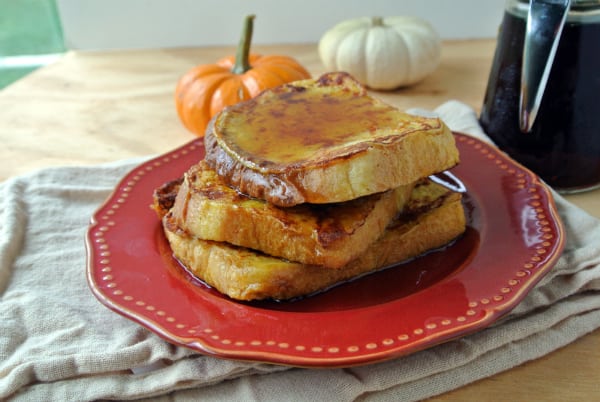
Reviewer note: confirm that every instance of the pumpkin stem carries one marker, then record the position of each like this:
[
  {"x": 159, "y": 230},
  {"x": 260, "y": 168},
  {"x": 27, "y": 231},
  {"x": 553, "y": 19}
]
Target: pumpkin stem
[
  {"x": 242, "y": 63},
  {"x": 377, "y": 21}
]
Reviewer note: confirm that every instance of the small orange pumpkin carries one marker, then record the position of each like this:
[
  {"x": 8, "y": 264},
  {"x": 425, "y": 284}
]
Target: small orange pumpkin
[{"x": 206, "y": 89}]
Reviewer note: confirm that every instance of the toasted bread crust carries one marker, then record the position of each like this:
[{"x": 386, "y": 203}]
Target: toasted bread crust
[
  {"x": 329, "y": 235},
  {"x": 244, "y": 274},
  {"x": 164, "y": 197},
  {"x": 391, "y": 150}
]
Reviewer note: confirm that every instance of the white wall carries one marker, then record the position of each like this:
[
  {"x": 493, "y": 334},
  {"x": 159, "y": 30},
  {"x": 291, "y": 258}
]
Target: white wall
[{"x": 113, "y": 24}]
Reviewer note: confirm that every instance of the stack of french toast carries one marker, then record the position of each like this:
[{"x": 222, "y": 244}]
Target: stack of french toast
[{"x": 309, "y": 185}]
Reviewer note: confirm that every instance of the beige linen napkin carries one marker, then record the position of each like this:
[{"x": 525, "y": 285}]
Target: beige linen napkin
[{"x": 57, "y": 342}]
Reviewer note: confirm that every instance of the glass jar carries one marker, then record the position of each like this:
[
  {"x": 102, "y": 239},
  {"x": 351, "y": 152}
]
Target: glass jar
[{"x": 563, "y": 144}]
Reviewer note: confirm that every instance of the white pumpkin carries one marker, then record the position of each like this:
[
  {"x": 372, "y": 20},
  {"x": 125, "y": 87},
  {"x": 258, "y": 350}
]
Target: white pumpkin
[{"x": 382, "y": 53}]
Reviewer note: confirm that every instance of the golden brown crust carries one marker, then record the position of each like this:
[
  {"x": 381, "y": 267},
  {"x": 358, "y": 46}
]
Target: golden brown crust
[
  {"x": 164, "y": 196},
  {"x": 329, "y": 235},
  {"x": 248, "y": 275},
  {"x": 371, "y": 148}
]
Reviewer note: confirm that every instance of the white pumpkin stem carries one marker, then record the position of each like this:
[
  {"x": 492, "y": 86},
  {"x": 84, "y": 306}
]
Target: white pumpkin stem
[{"x": 377, "y": 21}]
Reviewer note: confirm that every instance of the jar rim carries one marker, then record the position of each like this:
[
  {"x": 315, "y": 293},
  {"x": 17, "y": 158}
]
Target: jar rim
[
  {"x": 580, "y": 10},
  {"x": 575, "y": 3}
]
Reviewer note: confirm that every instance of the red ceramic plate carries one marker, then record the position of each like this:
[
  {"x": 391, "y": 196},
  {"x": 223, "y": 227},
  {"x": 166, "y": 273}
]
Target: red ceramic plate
[{"x": 514, "y": 237}]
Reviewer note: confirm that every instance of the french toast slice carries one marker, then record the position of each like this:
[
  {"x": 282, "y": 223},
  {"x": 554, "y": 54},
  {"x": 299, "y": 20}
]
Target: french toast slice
[
  {"x": 320, "y": 234},
  {"x": 433, "y": 217},
  {"x": 324, "y": 140}
]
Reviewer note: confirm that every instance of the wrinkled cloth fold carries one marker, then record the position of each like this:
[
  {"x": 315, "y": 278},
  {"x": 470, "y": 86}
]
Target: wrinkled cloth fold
[{"x": 57, "y": 342}]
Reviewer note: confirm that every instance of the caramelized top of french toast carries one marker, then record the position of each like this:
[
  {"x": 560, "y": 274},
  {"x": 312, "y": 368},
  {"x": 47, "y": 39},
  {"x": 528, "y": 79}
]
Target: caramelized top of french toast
[{"x": 291, "y": 124}]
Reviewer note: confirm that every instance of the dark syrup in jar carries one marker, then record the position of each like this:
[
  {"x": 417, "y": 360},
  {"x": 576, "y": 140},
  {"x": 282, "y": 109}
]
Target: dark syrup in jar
[{"x": 563, "y": 147}]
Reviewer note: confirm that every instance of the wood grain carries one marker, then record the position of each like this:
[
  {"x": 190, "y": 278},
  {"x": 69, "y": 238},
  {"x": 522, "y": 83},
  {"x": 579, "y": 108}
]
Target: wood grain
[{"x": 93, "y": 107}]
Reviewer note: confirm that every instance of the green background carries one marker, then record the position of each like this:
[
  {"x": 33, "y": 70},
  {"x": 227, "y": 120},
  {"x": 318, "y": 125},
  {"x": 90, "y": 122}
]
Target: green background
[{"x": 27, "y": 27}]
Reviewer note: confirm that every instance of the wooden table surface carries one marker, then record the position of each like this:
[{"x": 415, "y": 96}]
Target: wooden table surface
[{"x": 93, "y": 107}]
